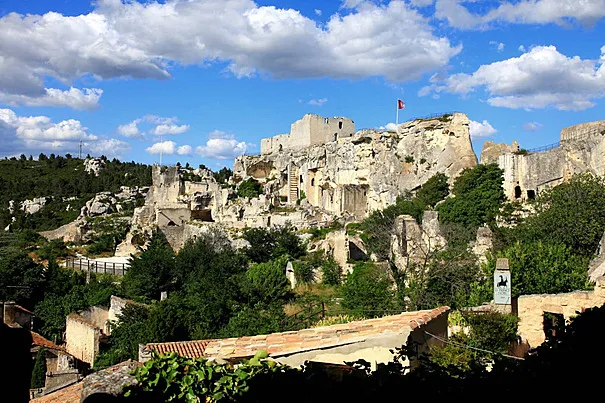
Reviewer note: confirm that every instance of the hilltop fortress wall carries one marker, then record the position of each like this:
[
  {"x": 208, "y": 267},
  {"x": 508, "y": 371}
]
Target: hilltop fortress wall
[{"x": 581, "y": 149}]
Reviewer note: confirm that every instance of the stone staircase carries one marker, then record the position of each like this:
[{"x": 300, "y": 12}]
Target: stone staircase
[{"x": 293, "y": 182}]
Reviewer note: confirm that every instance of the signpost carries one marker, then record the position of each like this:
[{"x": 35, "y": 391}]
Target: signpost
[{"x": 502, "y": 284}]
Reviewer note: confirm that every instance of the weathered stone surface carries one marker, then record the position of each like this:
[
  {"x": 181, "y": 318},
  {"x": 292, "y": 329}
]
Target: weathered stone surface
[
  {"x": 93, "y": 165},
  {"x": 109, "y": 382},
  {"x": 34, "y": 205},
  {"x": 582, "y": 149},
  {"x": 483, "y": 243},
  {"x": 491, "y": 151}
]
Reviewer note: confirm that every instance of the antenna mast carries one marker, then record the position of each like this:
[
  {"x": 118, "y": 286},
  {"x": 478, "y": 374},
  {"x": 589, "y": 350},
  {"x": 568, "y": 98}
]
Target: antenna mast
[{"x": 80, "y": 150}]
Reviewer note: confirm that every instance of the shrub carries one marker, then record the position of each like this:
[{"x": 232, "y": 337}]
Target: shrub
[
  {"x": 249, "y": 188},
  {"x": 367, "y": 291}
]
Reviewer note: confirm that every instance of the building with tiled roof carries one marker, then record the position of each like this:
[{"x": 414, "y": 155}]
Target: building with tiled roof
[{"x": 371, "y": 340}]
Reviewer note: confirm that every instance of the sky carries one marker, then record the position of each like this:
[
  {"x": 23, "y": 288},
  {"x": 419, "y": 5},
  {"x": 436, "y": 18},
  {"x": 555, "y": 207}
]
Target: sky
[{"x": 202, "y": 81}]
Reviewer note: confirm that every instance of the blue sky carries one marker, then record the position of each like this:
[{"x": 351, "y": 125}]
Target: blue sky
[{"x": 205, "y": 80}]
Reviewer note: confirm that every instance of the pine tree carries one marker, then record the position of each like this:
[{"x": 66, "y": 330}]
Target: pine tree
[{"x": 39, "y": 371}]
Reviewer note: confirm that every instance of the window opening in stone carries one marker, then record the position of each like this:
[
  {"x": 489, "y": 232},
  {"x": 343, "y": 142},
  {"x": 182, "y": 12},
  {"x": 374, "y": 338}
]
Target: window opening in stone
[
  {"x": 531, "y": 194},
  {"x": 301, "y": 181},
  {"x": 312, "y": 181},
  {"x": 554, "y": 325},
  {"x": 517, "y": 191},
  {"x": 335, "y": 136},
  {"x": 340, "y": 125}
]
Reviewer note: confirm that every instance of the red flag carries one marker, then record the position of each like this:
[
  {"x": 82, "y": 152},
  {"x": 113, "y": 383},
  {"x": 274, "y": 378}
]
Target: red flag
[{"x": 400, "y": 104}]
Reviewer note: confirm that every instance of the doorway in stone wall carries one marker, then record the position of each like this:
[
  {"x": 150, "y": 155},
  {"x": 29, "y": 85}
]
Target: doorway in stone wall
[{"x": 554, "y": 325}]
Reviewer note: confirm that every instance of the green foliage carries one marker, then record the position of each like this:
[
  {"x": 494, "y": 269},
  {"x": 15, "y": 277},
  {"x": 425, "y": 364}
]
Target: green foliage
[
  {"x": 39, "y": 371},
  {"x": 331, "y": 273},
  {"x": 433, "y": 191},
  {"x": 60, "y": 178},
  {"x": 153, "y": 271},
  {"x": 537, "y": 268},
  {"x": 572, "y": 213},
  {"x": 318, "y": 233},
  {"x": 479, "y": 195},
  {"x": 223, "y": 175},
  {"x": 266, "y": 282},
  {"x": 409, "y": 159},
  {"x": 367, "y": 291},
  {"x": 173, "y": 378},
  {"x": 271, "y": 243},
  {"x": 53, "y": 249},
  {"x": 250, "y": 188},
  {"x": 21, "y": 279},
  {"x": 304, "y": 272},
  {"x": 492, "y": 331}
]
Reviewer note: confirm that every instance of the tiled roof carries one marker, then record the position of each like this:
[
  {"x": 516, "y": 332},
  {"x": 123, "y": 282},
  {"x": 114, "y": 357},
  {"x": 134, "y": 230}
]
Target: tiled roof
[
  {"x": 277, "y": 344},
  {"x": 42, "y": 342},
  {"x": 191, "y": 349},
  {"x": 70, "y": 394}
]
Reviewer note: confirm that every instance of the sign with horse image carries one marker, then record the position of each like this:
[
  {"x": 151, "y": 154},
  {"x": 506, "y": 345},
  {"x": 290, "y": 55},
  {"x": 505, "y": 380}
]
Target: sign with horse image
[{"x": 502, "y": 283}]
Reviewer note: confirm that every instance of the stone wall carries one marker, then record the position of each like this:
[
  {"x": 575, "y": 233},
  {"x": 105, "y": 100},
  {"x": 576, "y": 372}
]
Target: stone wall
[
  {"x": 531, "y": 309},
  {"x": 582, "y": 131},
  {"x": 82, "y": 338}
]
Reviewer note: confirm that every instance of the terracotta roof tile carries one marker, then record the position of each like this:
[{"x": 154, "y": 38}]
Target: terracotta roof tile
[
  {"x": 306, "y": 339},
  {"x": 70, "y": 394},
  {"x": 40, "y": 341}
]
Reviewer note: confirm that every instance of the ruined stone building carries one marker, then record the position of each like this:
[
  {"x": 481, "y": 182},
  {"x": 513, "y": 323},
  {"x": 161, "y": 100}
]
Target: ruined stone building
[
  {"x": 321, "y": 170},
  {"x": 581, "y": 149}
]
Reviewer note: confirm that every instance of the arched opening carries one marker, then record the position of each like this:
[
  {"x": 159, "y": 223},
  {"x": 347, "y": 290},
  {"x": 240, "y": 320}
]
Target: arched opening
[
  {"x": 517, "y": 192},
  {"x": 531, "y": 194},
  {"x": 301, "y": 180},
  {"x": 340, "y": 125},
  {"x": 312, "y": 181},
  {"x": 335, "y": 136}
]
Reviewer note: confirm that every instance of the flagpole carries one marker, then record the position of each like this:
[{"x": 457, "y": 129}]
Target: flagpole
[{"x": 397, "y": 114}]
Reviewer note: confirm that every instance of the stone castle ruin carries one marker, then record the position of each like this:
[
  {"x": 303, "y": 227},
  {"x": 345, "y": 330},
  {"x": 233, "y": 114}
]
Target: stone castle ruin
[
  {"x": 581, "y": 149},
  {"x": 320, "y": 171}
]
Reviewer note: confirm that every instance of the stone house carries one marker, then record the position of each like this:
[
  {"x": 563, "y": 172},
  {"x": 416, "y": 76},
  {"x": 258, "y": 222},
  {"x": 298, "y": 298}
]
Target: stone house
[
  {"x": 371, "y": 340},
  {"x": 536, "y": 312},
  {"x": 16, "y": 316}
]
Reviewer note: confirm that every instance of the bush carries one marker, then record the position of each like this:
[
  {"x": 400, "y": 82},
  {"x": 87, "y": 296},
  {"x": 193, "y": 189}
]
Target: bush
[
  {"x": 39, "y": 371},
  {"x": 271, "y": 243},
  {"x": 367, "y": 291},
  {"x": 249, "y": 188}
]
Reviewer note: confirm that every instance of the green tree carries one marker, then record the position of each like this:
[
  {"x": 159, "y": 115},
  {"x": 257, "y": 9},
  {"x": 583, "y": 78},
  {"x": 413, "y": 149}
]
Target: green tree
[
  {"x": 433, "y": 191},
  {"x": 266, "y": 283},
  {"x": 478, "y": 197},
  {"x": 249, "y": 188},
  {"x": 39, "y": 371},
  {"x": 367, "y": 291},
  {"x": 271, "y": 243},
  {"x": 153, "y": 271},
  {"x": 21, "y": 279}
]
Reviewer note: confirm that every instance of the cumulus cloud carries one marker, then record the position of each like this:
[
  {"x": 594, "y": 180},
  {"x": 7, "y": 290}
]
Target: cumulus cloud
[
  {"x": 222, "y": 146},
  {"x": 532, "y": 126},
  {"x": 317, "y": 12},
  {"x": 184, "y": 150},
  {"x": 422, "y": 3},
  {"x": 521, "y": 48},
  {"x": 143, "y": 39},
  {"x": 130, "y": 129},
  {"x": 161, "y": 126},
  {"x": 34, "y": 134},
  {"x": 169, "y": 128},
  {"x": 318, "y": 102},
  {"x": 540, "y": 78},
  {"x": 87, "y": 99},
  {"x": 164, "y": 147},
  {"x": 586, "y": 12},
  {"x": 481, "y": 129}
]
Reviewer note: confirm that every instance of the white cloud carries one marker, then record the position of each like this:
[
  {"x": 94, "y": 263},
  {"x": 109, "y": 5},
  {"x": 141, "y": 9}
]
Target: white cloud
[
  {"x": 108, "y": 147},
  {"x": 532, "y": 126},
  {"x": 389, "y": 126},
  {"x": 318, "y": 102},
  {"x": 540, "y": 78},
  {"x": 163, "y": 126},
  {"x": 521, "y": 48},
  {"x": 586, "y": 12},
  {"x": 481, "y": 129},
  {"x": 422, "y": 3},
  {"x": 130, "y": 129},
  {"x": 34, "y": 134},
  {"x": 222, "y": 146},
  {"x": 143, "y": 39},
  {"x": 184, "y": 150},
  {"x": 164, "y": 147},
  {"x": 498, "y": 45},
  {"x": 72, "y": 98},
  {"x": 317, "y": 12},
  {"x": 169, "y": 128}
]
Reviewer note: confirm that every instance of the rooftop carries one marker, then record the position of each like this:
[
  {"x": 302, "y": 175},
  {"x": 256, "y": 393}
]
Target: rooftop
[
  {"x": 278, "y": 344},
  {"x": 40, "y": 341}
]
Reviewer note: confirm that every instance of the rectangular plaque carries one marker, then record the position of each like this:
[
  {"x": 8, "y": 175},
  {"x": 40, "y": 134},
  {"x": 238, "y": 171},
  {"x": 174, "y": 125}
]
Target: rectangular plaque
[{"x": 502, "y": 287}]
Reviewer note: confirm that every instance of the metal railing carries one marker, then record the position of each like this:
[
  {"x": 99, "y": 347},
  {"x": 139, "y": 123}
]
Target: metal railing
[
  {"x": 544, "y": 148},
  {"x": 93, "y": 266}
]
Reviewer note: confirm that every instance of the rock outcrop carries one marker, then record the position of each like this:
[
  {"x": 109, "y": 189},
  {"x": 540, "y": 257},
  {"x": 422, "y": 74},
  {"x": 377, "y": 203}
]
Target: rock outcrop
[
  {"x": 93, "y": 165},
  {"x": 34, "y": 205}
]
